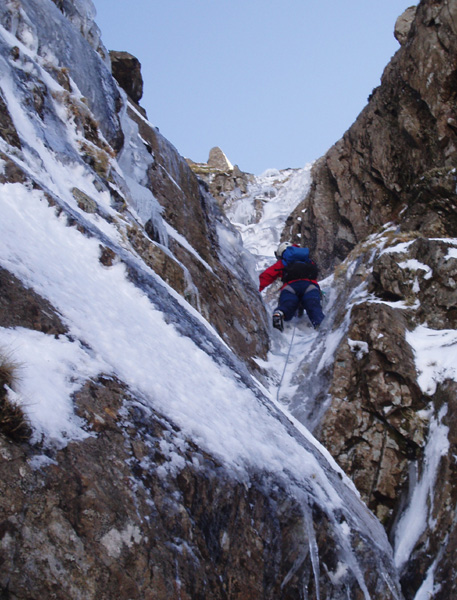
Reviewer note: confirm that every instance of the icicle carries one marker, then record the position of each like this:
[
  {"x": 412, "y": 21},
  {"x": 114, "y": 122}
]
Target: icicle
[
  {"x": 297, "y": 564},
  {"x": 349, "y": 557},
  {"x": 191, "y": 292},
  {"x": 313, "y": 549}
]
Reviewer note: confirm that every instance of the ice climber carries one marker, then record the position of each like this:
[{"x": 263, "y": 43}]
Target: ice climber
[{"x": 300, "y": 290}]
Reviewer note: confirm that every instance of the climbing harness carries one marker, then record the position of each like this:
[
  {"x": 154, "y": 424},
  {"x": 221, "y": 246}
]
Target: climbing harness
[{"x": 287, "y": 360}]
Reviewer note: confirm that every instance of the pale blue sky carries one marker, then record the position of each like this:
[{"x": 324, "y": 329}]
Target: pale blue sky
[{"x": 274, "y": 83}]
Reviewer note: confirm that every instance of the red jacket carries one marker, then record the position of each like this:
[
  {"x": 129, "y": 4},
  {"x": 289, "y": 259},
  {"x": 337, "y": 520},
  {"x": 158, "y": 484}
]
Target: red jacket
[{"x": 273, "y": 273}]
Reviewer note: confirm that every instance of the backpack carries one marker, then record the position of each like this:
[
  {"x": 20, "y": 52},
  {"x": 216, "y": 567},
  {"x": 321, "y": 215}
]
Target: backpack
[
  {"x": 293, "y": 253},
  {"x": 298, "y": 265}
]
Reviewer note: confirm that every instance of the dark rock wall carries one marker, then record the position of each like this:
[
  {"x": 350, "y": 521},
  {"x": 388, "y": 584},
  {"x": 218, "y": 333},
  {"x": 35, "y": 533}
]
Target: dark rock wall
[
  {"x": 379, "y": 423},
  {"x": 126, "y": 70}
]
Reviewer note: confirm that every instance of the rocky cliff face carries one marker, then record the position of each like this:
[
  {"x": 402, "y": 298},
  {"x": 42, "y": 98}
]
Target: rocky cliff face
[
  {"x": 139, "y": 456},
  {"x": 386, "y": 411},
  {"x": 383, "y": 204},
  {"x": 396, "y": 162}
]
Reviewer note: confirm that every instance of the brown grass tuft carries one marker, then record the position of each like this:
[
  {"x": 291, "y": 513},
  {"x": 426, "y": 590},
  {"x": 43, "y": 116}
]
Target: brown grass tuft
[{"x": 13, "y": 422}]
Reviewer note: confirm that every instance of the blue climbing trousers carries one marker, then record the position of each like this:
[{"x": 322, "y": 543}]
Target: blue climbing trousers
[{"x": 302, "y": 294}]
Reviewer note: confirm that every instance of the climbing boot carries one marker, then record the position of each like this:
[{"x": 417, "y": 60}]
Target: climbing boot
[{"x": 278, "y": 320}]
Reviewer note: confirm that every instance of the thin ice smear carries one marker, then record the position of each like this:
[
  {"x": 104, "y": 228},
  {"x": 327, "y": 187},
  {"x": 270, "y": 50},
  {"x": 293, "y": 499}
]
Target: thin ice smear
[{"x": 415, "y": 518}]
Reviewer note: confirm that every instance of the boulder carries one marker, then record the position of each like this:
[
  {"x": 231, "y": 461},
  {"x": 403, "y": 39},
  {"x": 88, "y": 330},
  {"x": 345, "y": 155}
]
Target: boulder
[
  {"x": 126, "y": 70},
  {"x": 403, "y": 24},
  {"x": 218, "y": 160}
]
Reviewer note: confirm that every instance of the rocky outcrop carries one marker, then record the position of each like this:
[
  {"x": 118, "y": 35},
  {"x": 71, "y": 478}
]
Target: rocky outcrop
[
  {"x": 218, "y": 161},
  {"x": 403, "y": 25},
  {"x": 126, "y": 69},
  {"x": 9, "y": 133},
  {"x": 221, "y": 177},
  {"x": 22, "y": 307},
  {"x": 396, "y": 161}
]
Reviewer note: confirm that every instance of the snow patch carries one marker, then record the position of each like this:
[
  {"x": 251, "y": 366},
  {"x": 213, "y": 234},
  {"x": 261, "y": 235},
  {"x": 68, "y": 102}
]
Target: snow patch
[
  {"x": 414, "y": 265},
  {"x": 451, "y": 253},
  {"x": 50, "y": 370},
  {"x": 358, "y": 347},
  {"x": 400, "y": 248},
  {"x": 435, "y": 353}
]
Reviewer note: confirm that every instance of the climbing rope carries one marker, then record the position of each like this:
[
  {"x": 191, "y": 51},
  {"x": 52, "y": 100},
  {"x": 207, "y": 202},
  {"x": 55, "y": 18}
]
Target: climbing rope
[{"x": 287, "y": 360}]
